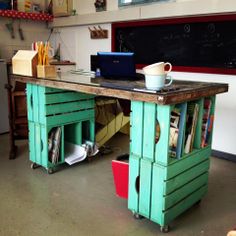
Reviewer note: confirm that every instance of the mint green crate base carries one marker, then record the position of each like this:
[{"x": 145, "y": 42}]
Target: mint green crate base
[
  {"x": 54, "y": 107},
  {"x": 74, "y": 133},
  {"x": 160, "y": 193},
  {"x": 38, "y": 145}
]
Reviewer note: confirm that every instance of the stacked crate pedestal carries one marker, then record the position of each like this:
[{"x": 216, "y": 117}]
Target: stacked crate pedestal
[
  {"x": 162, "y": 187},
  {"x": 50, "y": 108}
]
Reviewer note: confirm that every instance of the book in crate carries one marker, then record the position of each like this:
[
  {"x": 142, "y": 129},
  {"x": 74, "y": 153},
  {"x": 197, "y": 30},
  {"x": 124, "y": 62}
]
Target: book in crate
[
  {"x": 177, "y": 125},
  {"x": 207, "y": 122}
]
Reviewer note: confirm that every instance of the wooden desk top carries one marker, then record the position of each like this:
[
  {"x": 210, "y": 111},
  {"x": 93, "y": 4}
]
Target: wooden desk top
[{"x": 179, "y": 91}]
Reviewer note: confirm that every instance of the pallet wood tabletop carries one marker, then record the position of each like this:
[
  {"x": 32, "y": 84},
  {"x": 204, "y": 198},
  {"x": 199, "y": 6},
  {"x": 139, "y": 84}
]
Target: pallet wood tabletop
[{"x": 177, "y": 92}]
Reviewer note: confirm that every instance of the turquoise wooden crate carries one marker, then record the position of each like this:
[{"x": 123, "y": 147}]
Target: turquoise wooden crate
[
  {"x": 145, "y": 117},
  {"x": 56, "y": 107},
  {"x": 38, "y": 145},
  {"x": 74, "y": 133},
  {"x": 161, "y": 193}
]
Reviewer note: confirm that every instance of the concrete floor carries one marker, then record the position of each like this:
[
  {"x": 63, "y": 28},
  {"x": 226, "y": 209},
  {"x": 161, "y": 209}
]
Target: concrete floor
[{"x": 80, "y": 199}]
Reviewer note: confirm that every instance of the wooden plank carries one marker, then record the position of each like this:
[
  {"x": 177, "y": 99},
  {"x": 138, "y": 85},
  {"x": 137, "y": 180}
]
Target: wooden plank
[
  {"x": 145, "y": 187},
  {"x": 29, "y": 98},
  {"x": 73, "y": 133},
  {"x": 42, "y": 106},
  {"x": 37, "y": 147},
  {"x": 136, "y": 132},
  {"x": 192, "y": 159},
  {"x": 157, "y": 200},
  {"x": 176, "y": 196},
  {"x": 35, "y": 103},
  {"x": 70, "y": 117},
  {"x": 58, "y": 108},
  {"x": 134, "y": 183},
  {"x": 66, "y": 97},
  {"x": 44, "y": 146},
  {"x": 32, "y": 141},
  {"x": 149, "y": 130},
  {"x": 185, "y": 177},
  {"x": 172, "y": 213},
  {"x": 185, "y": 90},
  {"x": 162, "y": 147}
]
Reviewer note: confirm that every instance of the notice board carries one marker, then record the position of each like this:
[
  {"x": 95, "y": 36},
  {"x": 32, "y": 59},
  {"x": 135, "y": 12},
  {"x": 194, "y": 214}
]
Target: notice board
[{"x": 197, "y": 44}]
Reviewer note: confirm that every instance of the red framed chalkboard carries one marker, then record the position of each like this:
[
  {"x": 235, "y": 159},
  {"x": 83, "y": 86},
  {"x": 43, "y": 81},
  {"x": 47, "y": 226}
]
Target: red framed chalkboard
[{"x": 204, "y": 44}]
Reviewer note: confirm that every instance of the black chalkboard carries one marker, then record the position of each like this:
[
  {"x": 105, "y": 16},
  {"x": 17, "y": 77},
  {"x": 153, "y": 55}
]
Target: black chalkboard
[{"x": 209, "y": 44}]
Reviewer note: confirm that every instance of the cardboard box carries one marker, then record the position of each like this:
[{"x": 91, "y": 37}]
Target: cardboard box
[
  {"x": 62, "y": 8},
  {"x": 24, "y": 63},
  {"x": 44, "y": 71}
]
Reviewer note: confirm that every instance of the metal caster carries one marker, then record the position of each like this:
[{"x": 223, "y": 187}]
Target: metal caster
[
  {"x": 137, "y": 216},
  {"x": 165, "y": 228},
  {"x": 34, "y": 165},
  {"x": 50, "y": 171}
]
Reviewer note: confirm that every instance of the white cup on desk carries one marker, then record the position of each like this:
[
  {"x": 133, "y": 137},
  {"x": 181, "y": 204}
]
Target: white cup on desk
[
  {"x": 157, "y": 82},
  {"x": 158, "y": 68}
]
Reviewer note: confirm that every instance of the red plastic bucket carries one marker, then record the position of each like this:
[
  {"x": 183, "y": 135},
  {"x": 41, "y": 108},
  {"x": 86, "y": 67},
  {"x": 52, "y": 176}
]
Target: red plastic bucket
[{"x": 120, "y": 169}]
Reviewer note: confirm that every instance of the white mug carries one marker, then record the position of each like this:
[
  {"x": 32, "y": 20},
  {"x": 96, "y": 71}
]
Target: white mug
[
  {"x": 157, "y": 68},
  {"x": 157, "y": 82}
]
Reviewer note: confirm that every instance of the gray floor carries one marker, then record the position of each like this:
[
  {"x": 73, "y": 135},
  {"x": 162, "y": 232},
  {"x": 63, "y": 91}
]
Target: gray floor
[{"x": 80, "y": 200}]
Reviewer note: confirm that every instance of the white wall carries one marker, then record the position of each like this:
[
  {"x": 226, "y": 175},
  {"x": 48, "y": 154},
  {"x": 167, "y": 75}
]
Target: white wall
[
  {"x": 79, "y": 47},
  {"x": 32, "y": 31}
]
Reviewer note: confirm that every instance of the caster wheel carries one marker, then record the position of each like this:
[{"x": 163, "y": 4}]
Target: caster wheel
[
  {"x": 165, "y": 229},
  {"x": 50, "y": 171},
  {"x": 137, "y": 216},
  {"x": 33, "y": 165}
]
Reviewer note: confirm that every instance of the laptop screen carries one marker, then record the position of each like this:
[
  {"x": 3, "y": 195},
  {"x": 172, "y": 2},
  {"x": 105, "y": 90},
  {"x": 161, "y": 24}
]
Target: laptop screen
[{"x": 117, "y": 64}]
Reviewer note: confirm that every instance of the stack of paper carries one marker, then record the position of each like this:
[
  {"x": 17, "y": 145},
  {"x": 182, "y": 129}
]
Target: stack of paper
[{"x": 74, "y": 153}]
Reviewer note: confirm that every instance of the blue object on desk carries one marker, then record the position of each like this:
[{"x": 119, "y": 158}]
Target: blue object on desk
[{"x": 117, "y": 65}]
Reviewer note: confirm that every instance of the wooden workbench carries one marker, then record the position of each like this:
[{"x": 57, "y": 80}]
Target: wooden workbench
[{"x": 178, "y": 92}]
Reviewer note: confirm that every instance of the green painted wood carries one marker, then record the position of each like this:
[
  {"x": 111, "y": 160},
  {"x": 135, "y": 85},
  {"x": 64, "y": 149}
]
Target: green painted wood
[
  {"x": 92, "y": 129},
  {"x": 134, "y": 183},
  {"x": 149, "y": 131},
  {"x": 145, "y": 187},
  {"x": 176, "y": 196},
  {"x": 179, "y": 208},
  {"x": 73, "y": 133},
  {"x": 157, "y": 193},
  {"x": 31, "y": 141},
  {"x": 162, "y": 146},
  {"x": 35, "y": 102},
  {"x": 37, "y": 136},
  {"x": 58, "y": 108},
  {"x": 44, "y": 146},
  {"x": 41, "y": 107},
  {"x": 62, "y": 150},
  {"x": 70, "y": 117},
  {"x": 53, "y": 90},
  {"x": 29, "y": 100},
  {"x": 136, "y": 132},
  {"x": 198, "y": 132},
  {"x": 66, "y": 97},
  {"x": 185, "y": 177},
  {"x": 190, "y": 160}
]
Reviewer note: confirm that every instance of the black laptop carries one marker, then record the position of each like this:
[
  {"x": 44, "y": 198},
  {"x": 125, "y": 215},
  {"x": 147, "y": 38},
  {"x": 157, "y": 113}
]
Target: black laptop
[{"x": 118, "y": 66}]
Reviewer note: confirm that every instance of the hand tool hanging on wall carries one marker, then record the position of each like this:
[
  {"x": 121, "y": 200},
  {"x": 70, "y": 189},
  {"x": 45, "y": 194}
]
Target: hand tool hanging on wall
[
  {"x": 10, "y": 28},
  {"x": 21, "y": 32}
]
